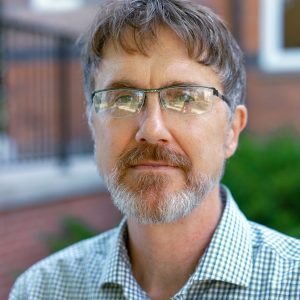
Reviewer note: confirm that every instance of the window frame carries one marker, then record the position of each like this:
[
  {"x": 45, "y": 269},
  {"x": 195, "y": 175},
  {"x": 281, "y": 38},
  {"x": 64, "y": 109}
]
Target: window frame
[
  {"x": 59, "y": 6},
  {"x": 273, "y": 57}
]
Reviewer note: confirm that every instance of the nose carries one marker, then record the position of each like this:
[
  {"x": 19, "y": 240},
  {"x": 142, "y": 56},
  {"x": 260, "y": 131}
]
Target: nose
[{"x": 152, "y": 126}]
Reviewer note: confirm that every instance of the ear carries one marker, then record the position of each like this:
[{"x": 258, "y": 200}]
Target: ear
[{"x": 238, "y": 123}]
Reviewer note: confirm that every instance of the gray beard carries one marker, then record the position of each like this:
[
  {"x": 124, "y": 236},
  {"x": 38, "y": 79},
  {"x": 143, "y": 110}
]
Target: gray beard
[{"x": 162, "y": 208}]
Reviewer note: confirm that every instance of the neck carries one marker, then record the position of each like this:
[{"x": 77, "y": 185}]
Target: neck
[{"x": 164, "y": 256}]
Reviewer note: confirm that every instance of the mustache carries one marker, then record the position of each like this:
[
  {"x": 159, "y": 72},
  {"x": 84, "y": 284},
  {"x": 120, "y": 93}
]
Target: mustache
[{"x": 153, "y": 152}]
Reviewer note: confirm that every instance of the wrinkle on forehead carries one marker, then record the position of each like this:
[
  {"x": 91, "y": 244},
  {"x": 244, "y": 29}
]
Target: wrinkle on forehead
[{"x": 167, "y": 61}]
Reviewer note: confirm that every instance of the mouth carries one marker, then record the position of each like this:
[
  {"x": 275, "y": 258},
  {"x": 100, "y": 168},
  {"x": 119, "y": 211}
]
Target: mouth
[{"x": 153, "y": 166}]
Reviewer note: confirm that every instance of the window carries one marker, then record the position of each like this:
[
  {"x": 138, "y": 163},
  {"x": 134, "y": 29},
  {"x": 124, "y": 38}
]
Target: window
[
  {"x": 280, "y": 35},
  {"x": 55, "y": 5}
]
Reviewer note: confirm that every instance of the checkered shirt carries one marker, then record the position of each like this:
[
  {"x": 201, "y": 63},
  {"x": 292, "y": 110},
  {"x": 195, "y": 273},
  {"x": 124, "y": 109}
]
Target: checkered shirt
[{"x": 243, "y": 261}]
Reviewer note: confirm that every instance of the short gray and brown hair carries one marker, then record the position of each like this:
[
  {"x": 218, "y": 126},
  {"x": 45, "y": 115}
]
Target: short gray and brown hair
[{"x": 205, "y": 35}]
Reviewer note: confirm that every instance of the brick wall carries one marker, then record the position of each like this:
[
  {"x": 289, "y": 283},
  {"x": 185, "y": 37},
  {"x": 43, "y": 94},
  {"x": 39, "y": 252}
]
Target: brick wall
[
  {"x": 273, "y": 102},
  {"x": 34, "y": 106},
  {"x": 22, "y": 232}
]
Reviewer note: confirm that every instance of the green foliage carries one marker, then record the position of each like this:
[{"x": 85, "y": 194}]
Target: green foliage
[
  {"x": 264, "y": 177},
  {"x": 72, "y": 230}
]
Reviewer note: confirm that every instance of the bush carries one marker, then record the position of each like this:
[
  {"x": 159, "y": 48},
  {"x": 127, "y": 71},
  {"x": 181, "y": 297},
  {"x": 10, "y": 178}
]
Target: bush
[
  {"x": 73, "y": 230},
  {"x": 264, "y": 177}
]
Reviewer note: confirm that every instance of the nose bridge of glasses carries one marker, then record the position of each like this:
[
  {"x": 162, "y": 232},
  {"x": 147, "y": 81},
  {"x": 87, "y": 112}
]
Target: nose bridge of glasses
[{"x": 152, "y": 91}]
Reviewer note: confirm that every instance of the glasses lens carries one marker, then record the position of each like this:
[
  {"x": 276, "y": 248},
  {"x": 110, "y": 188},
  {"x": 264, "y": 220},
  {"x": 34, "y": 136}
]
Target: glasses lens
[
  {"x": 118, "y": 103},
  {"x": 187, "y": 100}
]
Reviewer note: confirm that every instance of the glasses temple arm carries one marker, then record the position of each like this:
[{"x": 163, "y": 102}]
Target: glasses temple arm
[{"x": 218, "y": 94}]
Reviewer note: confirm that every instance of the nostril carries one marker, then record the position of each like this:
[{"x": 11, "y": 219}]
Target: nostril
[
  {"x": 163, "y": 141},
  {"x": 153, "y": 141}
]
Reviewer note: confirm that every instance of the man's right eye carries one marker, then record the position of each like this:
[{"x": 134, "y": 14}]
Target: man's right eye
[{"x": 123, "y": 99}]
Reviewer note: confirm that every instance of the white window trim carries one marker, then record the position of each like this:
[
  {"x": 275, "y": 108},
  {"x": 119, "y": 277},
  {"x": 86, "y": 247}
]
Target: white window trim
[
  {"x": 26, "y": 184},
  {"x": 273, "y": 56},
  {"x": 55, "y": 5}
]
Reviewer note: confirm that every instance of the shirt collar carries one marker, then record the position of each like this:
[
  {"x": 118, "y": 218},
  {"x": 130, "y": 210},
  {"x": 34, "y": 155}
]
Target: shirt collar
[
  {"x": 117, "y": 268},
  {"x": 227, "y": 258},
  {"x": 117, "y": 259}
]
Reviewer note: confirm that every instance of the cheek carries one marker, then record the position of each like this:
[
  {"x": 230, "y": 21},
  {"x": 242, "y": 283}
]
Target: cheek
[
  {"x": 103, "y": 143},
  {"x": 110, "y": 142},
  {"x": 205, "y": 145}
]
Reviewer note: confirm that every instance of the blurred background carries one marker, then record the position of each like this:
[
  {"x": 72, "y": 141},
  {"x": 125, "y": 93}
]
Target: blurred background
[{"x": 50, "y": 192}]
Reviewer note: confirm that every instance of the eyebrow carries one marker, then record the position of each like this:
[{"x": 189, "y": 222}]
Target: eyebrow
[
  {"x": 122, "y": 83},
  {"x": 125, "y": 83}
]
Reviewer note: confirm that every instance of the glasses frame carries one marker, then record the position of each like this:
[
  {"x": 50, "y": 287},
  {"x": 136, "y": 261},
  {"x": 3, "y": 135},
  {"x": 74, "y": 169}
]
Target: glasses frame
[{"x": 158, "y": 90}]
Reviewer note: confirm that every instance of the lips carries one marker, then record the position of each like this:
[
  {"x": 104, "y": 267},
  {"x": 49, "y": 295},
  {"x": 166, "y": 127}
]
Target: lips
[
  {"x": 153, "y": 164},
  {"x": 149, "y": 157}
]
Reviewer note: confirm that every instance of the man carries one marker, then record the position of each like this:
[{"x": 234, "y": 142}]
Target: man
[{"x": 165, "y": 82}]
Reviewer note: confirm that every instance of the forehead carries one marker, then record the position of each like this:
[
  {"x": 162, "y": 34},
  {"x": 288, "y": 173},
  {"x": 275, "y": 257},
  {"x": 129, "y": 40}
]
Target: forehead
[{"x": 164, "y": 59}]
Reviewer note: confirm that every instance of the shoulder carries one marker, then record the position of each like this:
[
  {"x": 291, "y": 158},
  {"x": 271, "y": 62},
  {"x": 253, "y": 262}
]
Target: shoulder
[
  {"x": 98, "y": 245},
  {"x": 276, "y": 257},
  {"x": 66, "y": 268},
  {"x": 80, "y": 252},
  {"x": 281, "y": 245}
]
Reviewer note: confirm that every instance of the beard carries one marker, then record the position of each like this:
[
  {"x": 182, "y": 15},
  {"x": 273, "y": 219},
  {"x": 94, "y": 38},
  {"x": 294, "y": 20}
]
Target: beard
[{"x": 146, "y": 200}]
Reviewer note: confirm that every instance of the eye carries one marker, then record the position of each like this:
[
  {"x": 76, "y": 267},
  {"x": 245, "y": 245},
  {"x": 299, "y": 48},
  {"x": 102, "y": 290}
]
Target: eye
[
  {"x": 185, "y": 97},
  {"x": 127, "y": 102},
  {"x": 124, "y": 99}
]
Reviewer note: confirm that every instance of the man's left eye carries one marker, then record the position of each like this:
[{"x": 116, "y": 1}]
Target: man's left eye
[{"x": 186, "y": 98}]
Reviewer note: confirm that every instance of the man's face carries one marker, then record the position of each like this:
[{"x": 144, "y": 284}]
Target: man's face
[{"x": 159, "y": 165}]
